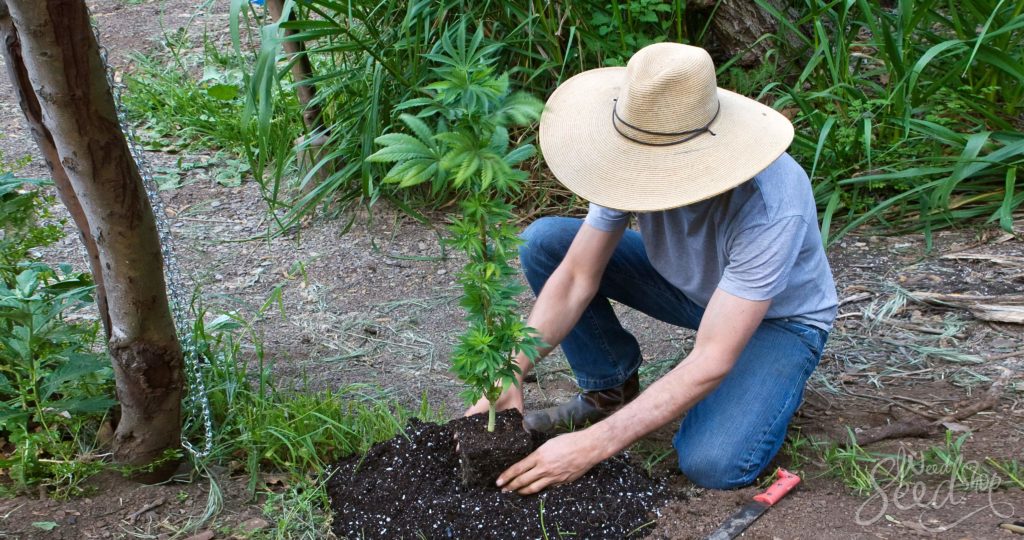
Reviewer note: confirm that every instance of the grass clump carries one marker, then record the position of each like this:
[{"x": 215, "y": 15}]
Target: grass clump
[
  {"x": 266, "y": 428},
  {"x": 294, "y": 433},
  {"x": 945, "y": 464},
  {"x": 193, "y": 99}
]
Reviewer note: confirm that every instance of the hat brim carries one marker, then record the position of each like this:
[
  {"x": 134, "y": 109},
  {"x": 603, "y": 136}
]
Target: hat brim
[{"x": 587, "y": 155}]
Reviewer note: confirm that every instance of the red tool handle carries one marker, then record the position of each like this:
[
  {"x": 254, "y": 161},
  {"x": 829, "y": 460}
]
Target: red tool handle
[{"x": 786, "y": 482}]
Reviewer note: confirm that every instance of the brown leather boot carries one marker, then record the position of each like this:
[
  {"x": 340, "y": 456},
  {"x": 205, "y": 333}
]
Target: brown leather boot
[{"x": 585, "y": 408}]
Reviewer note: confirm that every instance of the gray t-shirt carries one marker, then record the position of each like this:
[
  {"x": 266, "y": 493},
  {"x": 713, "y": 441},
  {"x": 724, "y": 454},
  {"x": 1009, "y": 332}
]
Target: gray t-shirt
[{"x": 758, "y": 241}]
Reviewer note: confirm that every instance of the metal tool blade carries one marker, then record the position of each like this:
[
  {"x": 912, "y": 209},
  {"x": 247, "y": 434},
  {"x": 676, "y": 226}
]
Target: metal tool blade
[{"x": 738, "y": 522}]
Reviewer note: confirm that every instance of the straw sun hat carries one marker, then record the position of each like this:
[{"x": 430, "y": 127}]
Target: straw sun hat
[{"x": 658, "y": 133}]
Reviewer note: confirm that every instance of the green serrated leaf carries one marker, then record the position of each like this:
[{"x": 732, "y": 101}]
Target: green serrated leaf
[{"x": 223, "y": 92}]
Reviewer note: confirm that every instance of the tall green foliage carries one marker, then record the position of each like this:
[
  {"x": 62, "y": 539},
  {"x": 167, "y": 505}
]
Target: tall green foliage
[
  {"x": 467, "y": 151},
  {"x": 911, "y": 114}
]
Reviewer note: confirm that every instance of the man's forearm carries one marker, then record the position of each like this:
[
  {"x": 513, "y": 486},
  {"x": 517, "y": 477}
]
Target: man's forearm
[
  {"x": 725, "y": 329},
  {"x": 559, "y": 306},
  {"x": 662, "y": 402}
]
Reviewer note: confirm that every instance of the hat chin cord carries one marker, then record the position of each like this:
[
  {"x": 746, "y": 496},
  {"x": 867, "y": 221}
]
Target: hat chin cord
[{"x": 686, "y": 135}]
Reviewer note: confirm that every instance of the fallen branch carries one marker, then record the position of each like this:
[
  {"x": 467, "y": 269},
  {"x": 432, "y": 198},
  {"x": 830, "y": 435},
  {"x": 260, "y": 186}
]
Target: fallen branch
[
  {"x": 919, "y": 428},
  {"x": 999, "y": 308},
  {"x": 1008, "y": 260},
  {"x": 855, "y": 298},
  {"x": 135, "y": 515}
]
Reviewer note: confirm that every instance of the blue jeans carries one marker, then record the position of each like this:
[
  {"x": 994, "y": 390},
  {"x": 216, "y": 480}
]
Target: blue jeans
[{"x": 726, "y": 439}]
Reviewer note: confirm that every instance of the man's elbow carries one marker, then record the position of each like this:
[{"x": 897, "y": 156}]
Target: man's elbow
[
  {"x": 711, "y": 368},
  {"x": 580, "y": 283}
]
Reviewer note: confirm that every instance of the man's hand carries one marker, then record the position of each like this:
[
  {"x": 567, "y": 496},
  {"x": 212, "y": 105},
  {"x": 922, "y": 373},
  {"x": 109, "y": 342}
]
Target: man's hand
[
  {"x": 511, "y": 398},
  {"x": 558, "y": 461}
]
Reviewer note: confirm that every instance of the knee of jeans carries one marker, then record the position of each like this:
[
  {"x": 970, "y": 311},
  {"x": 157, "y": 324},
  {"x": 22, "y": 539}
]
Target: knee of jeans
[
  {"x": 714, "y": 468},
  {"x": 541, "y": 237}
]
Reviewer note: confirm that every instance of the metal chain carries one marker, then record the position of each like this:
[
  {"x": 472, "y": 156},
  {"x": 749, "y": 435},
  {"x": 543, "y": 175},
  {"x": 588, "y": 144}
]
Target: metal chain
[{"x": 197, "y": 401}]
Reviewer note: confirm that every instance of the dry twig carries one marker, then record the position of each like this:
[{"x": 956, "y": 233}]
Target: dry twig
[
  {"x": 910, "y": 428},
  {"x": 135, "y": 515}
]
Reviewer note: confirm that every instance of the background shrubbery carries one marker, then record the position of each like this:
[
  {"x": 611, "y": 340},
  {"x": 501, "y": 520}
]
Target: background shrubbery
[
  {"x": 906, "y": 114},
  {"x": 56, "y": 386}
]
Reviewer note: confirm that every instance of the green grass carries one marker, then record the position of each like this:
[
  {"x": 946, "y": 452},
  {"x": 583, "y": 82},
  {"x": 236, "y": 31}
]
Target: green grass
[
  {"x": 651, "y": 453},
  {"x": 181, "y": 99},
  {"x": 297, "y": 511},
  {"x": 297, "y": 429},
  {"x": 259, "y": 426},
  {"x": 175, "y": 110},
  {"x": 865, "y": 471}
]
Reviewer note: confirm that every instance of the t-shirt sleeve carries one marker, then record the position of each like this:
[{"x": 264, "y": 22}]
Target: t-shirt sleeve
[
  {"x": 606, "y": 219},
  {"x": 761, "y": 258}
]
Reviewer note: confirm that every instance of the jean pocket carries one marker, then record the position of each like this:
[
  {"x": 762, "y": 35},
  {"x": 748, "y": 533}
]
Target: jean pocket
[{"x": 812, "y": 336}]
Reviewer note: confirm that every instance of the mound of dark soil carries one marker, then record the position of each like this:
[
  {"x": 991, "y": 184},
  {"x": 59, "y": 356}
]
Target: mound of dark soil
[
  {"x": 410, "y": 487},
  {"x": 485, "y": 455}
]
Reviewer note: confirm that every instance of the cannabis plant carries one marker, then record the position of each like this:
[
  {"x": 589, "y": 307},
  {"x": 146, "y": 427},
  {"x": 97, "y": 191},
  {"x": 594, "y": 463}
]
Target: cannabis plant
[{"x": 459, "y": 141}]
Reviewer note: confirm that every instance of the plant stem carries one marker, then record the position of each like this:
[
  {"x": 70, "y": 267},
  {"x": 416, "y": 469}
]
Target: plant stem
[
  {"x": 491, "y": 410},
  {"x": 481, "y": 226}
]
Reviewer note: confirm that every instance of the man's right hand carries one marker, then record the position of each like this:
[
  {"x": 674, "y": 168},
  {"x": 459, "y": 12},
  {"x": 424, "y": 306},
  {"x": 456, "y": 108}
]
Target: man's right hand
[{"x": 511, "y": 398}]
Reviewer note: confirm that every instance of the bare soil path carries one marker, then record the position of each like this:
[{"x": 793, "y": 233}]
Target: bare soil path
[{"x": 378, "y": 305}]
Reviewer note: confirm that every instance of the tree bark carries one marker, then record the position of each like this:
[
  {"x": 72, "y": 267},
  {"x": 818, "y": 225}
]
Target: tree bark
[
  {"x": 302, "y": 70},
  {"x": 33, "y": 115},
  {"x": 310, "y": 146},
  {"x": 737, "y": 25},
  {"x": 63, "y": 67}
]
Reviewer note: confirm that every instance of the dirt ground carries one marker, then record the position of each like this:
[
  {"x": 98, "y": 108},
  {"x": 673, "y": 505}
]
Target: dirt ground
[{"x": 377, "y": 304}]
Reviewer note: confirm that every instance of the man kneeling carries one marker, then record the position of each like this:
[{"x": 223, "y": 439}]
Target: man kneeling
[{"x": 728, "y": 244}]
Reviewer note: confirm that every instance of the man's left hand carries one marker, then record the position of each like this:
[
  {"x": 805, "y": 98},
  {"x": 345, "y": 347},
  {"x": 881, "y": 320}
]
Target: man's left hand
[{"x": 558, "y": 461}]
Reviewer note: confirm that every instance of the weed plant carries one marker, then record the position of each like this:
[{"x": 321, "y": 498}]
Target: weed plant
[
  {"x": 186, "y": 100},
  {"x": 177, "y": 111},
  {"x": 368, "y": 61},
  {"x": 865, "y": 472},
  {"x": 467, "y": 152}
]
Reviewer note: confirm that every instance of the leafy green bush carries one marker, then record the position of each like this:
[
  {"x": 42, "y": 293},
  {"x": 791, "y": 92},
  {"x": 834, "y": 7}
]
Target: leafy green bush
[
  {"x": 467, "y": 152},
  {"x": 55, "y": 387},
  {"x": 26, "y": 222}
]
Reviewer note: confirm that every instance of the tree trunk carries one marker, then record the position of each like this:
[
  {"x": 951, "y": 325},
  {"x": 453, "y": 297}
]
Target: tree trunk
[
  {"x": 302, "y": 70},
  {"x": 736, "y": 26},
  {"x": 310, "y": 146},
  {"x": 83, "y": 142}
]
